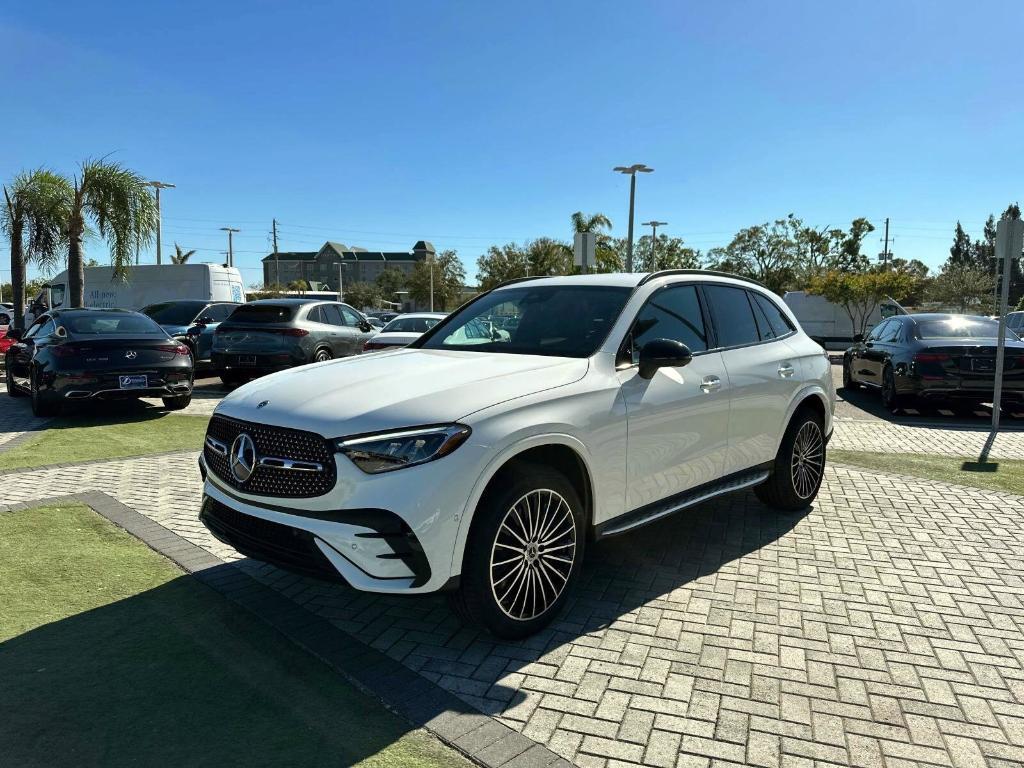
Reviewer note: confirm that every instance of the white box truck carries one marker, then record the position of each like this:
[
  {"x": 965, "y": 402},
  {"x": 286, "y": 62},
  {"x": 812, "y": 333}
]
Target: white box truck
[
  {"x": 829, "y": 324},
  {"x": 149, "y": 283}
]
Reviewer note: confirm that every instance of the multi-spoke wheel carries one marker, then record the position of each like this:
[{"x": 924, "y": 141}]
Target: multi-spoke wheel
[
  {"x": 533, "y": 554},
  {"x": 523, "y": 552},
  {"x": 799, "y": 465}
]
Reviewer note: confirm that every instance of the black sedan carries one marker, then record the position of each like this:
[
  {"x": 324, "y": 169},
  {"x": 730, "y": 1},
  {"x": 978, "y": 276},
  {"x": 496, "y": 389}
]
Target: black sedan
[
  {"x": 938, "y": 358},
  {"x": 77, "y": 354}
]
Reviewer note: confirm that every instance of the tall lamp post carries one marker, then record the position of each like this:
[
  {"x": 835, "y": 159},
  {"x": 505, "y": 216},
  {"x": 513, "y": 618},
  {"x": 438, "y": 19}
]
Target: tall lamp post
[
  {"x": 654, "y": 224},
  {"x": 631, "y": 171},
  {"x": 231, "y": 248},
  {"x": 157, "y": 185}
]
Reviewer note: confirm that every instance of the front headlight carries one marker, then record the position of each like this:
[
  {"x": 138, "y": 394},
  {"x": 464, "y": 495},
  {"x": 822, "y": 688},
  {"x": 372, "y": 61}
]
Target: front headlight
[{"x": 388, "y": 451}]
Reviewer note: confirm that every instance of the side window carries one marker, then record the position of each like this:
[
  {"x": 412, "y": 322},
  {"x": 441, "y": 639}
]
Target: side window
[
  {"x": 332, "y": 314},
  {"x": 47, "y": 329},
  {"x": 892, "y": 331},
  {"x": 351, "y": 318},
  {"x": 763, "y": 326},
  {"x": 780, "y": 324},
  {"x": 219, "y": 312},
  {"x": 314, "y": 315},
  {"x": 672, "y": 313},
  {"x": 878, "y": 330},
  {"x": 733, "y": 315}
]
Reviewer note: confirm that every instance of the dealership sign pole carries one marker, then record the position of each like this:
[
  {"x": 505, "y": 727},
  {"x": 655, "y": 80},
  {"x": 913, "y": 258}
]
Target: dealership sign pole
[{"x": 1009, "y": 244}]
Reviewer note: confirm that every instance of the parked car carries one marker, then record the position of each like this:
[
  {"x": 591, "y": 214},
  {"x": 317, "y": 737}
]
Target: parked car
[
  {"x": 386, "y": 316},
  {"x": 191, "y": 322},
  {"x": 1015, "y": 322},
  {"x": 376, "y": 322},
  {"x": 934, "y": 357},
  {"x": 485, "y": 468},
  {"x": 403, "y": 330},
  {"x": 273, "y": 334},
  {"x": 79, "y": 354}
]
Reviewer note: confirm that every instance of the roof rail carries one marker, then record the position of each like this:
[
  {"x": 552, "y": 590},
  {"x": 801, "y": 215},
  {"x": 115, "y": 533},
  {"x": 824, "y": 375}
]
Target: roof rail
[
  {"x": 666, "y": 272},
  {"x": 522, "y": 279}
]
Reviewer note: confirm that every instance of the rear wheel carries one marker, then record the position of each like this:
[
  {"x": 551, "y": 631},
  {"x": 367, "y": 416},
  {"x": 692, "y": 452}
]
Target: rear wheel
[
  {"x": 891, "y": 399},
  {"x": 799, "y": 465},
  {"x": 322, "y": 355},
  {"x": 523, "y": 553},
  {"x": 42, "y": 405},
  {"x": 177, "y": 403}
]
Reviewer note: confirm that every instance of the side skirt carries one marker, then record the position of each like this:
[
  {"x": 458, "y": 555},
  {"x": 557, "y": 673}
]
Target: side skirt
[{"x": 668, "y": 506}]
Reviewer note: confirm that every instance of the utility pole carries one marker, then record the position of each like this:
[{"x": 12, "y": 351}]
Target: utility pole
[
  {"x": 885, "y": 251},
  {"x": 341, "y": 283},
  {"x": 277, "y": 261},
  {"x": 631, "y": 171},
  {"x": 231, "y": 249},
  {"x": 430, "y": 261},
  {"x": 157, "y": 185},
  {"x": 1009, "y": 243},
  {"x": 654, "y": 224}
]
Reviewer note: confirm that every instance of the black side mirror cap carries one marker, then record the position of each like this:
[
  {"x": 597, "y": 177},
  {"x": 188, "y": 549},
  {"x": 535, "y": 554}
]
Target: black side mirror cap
[
  {"x": 663, "y": 353},
  {"x": 365, "y": 326}
]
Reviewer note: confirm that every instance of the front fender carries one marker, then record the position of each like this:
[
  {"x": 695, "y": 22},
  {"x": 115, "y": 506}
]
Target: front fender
[{"x": 492, "y": 468}]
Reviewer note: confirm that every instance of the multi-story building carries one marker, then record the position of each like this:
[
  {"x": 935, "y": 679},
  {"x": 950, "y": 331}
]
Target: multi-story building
[{"x": 358, "y": 264}]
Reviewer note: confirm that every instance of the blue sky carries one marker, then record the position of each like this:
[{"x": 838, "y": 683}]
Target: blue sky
[{"x": 471, "y": 123}]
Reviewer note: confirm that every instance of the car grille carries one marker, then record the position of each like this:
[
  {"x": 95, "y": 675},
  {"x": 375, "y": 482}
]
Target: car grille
[{"x": 278, "y": 443}]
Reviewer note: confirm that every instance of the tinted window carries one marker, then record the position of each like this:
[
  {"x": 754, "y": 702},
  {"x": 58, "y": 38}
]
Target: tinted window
[
  {"x": 878, "y": 330},
  {"x": 958, "y": 327},
  {"x": 96, "y": 323},
  {"x": 777, "y": 320},
  {"x": 411, "y": 325},
  {"x": 734, "y": 319},
  {"x": 673, "y": 313},
  {"x": 219, "y": 312},
  {"x": 263, "y": 313},
  {"x": 560, "y": 320},
  {"x": 332, "y": 314},
  {"x": 46, "y": 329},
  {"x": 174, "y": 312},
  {"x": 351, "y": 316},
  {"x": 891, "y": 332},
  {"x": 314, "y": 316}
]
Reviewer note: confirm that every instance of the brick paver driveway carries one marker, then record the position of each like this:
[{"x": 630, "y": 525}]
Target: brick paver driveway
[{"x": 884, "y": 626}]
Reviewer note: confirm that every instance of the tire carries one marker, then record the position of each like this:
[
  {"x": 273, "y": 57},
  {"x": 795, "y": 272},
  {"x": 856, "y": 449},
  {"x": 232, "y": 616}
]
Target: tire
[
  {"x": 890, "y": 399},
  {"x": 232, "y": 379},
  {"x": 41, "y": 404},
  {"x": 177, "y": 403},
  {"x": 322, "y": 355},
  {"x": 848, "y": 382},
  {"x": 521, "y": 503},
  {"x": 799, "y": 465},
  {"x": 12, "y": 388}
]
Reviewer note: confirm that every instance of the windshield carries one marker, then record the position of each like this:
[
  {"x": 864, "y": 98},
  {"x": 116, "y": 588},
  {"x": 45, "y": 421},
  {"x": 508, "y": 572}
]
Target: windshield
[
  {"x": 263, "y": 313},
  {"x": 96, "y": 323},
  {"x": 961, "y": 327},
  {"x": 411, "y": 324},
  {"x": 562, "y": 321},
  {"x": 174, "y": 312}
]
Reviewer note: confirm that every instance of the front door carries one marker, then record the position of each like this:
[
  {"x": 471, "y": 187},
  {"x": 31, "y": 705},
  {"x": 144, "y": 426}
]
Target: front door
[{"x": 676, "y": 420}]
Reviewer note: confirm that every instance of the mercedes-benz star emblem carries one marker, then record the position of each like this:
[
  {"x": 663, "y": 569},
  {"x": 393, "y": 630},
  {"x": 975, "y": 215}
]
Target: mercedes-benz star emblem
[
  {"x": 242, "y": 458},
  {"x": 261, "y": 403},
  {"x": 131, "y": 354}
]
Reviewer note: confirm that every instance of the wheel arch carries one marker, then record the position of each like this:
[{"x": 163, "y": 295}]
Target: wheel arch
[{"x": 562, "y": 452}]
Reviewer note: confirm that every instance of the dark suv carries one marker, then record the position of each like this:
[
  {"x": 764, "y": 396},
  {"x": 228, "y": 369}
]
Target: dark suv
[{"x": 273, "y": 334}]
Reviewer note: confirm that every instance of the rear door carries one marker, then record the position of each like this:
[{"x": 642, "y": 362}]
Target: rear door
[
  {"x": 677, "y": 420},
  {"x": 342, "y": 337},
  {"x": 763, "y": 371}
]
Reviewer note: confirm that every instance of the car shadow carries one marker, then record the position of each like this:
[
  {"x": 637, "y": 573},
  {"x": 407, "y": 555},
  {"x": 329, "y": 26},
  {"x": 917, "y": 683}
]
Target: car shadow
[{"x": 933, "y": 415}]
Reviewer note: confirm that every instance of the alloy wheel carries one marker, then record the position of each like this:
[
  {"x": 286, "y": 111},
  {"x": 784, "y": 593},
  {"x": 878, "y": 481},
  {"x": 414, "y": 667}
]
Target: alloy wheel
[
  {"x": 533, "y": 554},
  {"x": 322, "y": 355},
  {"x": 808, "y": 459}
]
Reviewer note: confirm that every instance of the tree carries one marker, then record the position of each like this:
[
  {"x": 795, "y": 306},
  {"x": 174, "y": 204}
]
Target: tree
[
  {"x": 390, "y": 282},
  {"x": 595, "y": 222},
  {"x": 768, "y": 251},
  {"x": 449, "y": 278},
  {"x": 298, "y": 286},
  {"x": 860, "y": 293},
  {"x": 33, "y": 220},
  {"x": 850, "y": 257},
  {"x": 501, "y": 263},
  {"x": 961, "y": 253},
  {"x": 180, "y": 255},
  {"x": 547, "y": 256},
  {"x": 962, "y": 285},
  {"x": 119, "y": 203},
  {"x": 669, "y": 253},
  {"x": 917, "y": 271},
  {"x": 361, "y": 295}
]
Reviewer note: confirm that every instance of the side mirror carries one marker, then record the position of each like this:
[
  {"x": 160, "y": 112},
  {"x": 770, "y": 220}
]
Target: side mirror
[
  {"x": 858, "y": 338},
  {"x": 364, "y": 326},
  {"x": 204, "y": 320},
  {"x": 195, "y": 330},
  {"x": 663, "y": 353}
]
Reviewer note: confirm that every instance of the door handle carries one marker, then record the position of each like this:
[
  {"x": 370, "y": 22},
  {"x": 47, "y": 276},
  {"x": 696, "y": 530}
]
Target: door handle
[
  {"x": 710, "y": 384},
  {"x": 785, "y": 370}
]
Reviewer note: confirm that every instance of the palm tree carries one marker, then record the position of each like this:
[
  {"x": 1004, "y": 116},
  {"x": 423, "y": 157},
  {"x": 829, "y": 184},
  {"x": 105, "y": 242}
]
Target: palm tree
[
  {"x": 596, "y": 222},
  {"x": 181, "y": 256},
  {"x": 118, "y": 200},
  {"x": 35, "y": 205}
]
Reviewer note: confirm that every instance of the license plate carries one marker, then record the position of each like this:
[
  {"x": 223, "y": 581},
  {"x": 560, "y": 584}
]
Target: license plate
[
  {"x": 247, "y": 359},
  {"x": 983, "y": 364},
  {"x": 133, "y": 382}
]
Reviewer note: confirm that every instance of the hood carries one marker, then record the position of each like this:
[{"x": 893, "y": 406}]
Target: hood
[{"x": 404, "y": 388}]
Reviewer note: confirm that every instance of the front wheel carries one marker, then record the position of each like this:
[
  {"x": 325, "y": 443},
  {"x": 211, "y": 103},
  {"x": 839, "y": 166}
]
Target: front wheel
[
  {"x": 12, "y": 388},
  {"x": 523, "y": 553},
  {"x": 799, "y": 465},
  {"x": 848, "y": 382}
]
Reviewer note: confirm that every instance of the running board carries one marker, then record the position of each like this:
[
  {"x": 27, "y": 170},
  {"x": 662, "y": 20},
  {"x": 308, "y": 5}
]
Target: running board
[{"x": 681, "y": 501}]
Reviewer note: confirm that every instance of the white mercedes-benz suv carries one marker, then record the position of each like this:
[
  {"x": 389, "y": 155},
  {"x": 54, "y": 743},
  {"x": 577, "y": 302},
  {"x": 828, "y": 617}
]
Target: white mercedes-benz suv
[{"x": 482, "y": 463}]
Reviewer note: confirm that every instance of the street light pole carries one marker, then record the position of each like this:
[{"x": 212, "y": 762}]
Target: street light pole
[
  {"x": 631, "y": 171},
  {"x": 654, "y": 224},
  {"x": 157, "y": 185},
  {"x": 231, "y": 249}
]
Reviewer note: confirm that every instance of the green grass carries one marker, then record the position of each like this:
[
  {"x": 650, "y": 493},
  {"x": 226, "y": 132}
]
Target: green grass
[
  {"x": 110, "y": 655},
  {"x": 82, "y": 438},
  {"x": 997, "y": 474}
]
